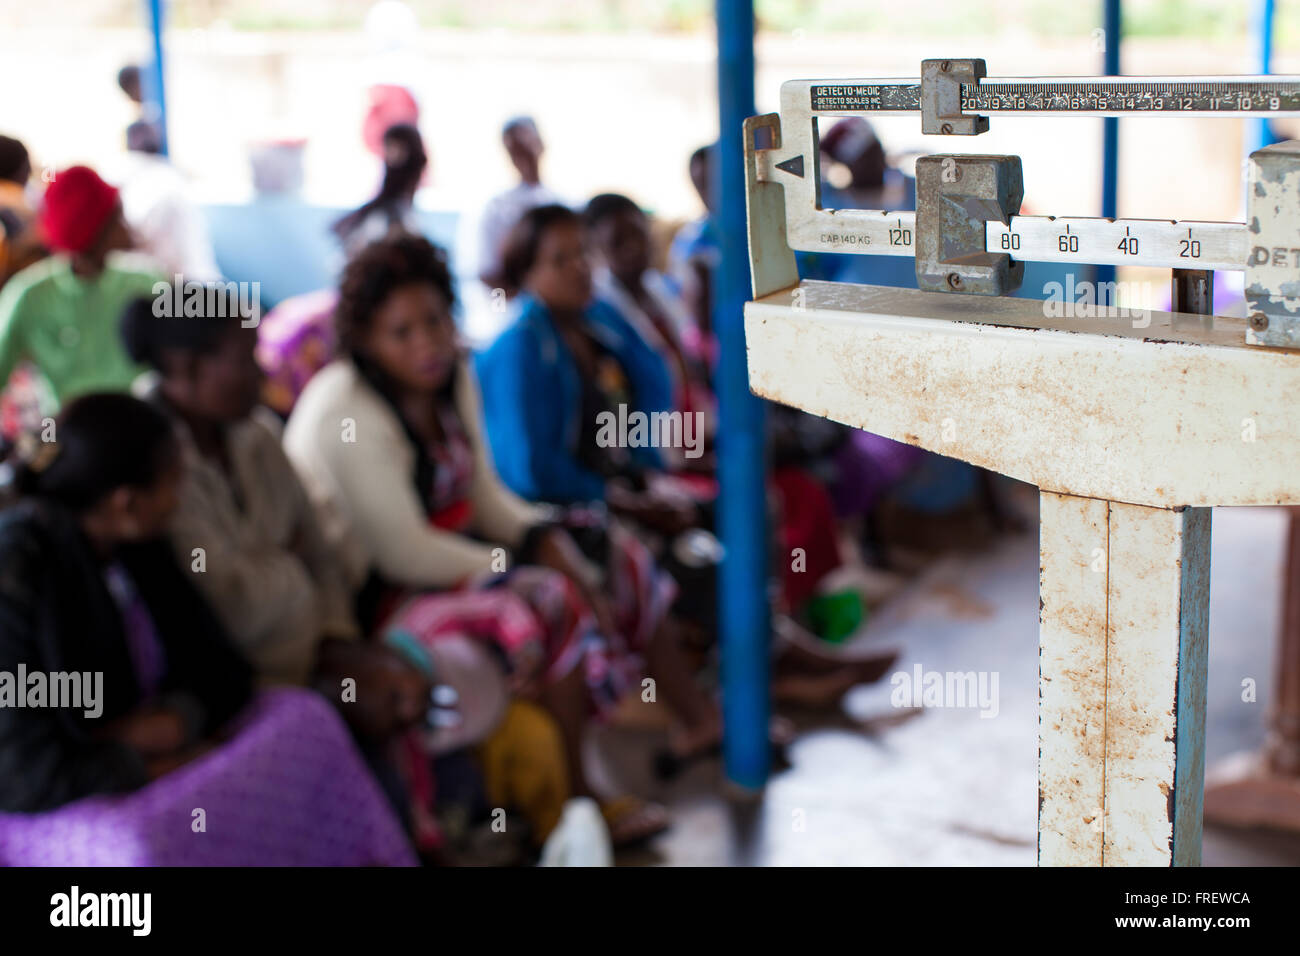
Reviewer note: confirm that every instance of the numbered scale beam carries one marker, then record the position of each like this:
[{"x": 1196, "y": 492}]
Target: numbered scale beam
[
  {"x": 793, "y": 161},
  {"x": 1156, "y": 243},
  {"x": 1222, "y": 96},
  {"x": 1139, "y": 242}
]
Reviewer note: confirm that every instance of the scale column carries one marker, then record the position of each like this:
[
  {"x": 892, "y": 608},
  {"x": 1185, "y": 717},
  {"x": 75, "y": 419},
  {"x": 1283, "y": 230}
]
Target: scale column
[{"x": 1124, "y": 601}]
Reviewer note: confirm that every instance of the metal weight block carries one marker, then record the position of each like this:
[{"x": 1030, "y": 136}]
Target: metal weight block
[
  {"x": 956, "y": 196},
  {"x": 941, "y": 107}
]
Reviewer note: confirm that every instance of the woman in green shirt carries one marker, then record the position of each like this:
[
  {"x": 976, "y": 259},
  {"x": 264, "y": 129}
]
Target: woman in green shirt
[{"x": 62, "y": 313}]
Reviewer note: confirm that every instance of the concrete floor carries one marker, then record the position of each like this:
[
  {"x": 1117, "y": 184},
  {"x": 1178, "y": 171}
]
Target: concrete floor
[{"x": 886, "y": 786}]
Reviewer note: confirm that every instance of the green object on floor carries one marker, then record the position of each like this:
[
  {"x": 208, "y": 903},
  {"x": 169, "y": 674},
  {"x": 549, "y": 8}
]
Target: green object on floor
[{"x": 835, "y": 616}]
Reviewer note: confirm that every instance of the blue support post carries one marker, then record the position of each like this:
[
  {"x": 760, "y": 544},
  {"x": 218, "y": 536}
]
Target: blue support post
[
  {"x": 152, "y": 86},
  {"x": 743, "y": 597},
  {"x": 1264, "y": 16},
  {"x": 1110, "y": 129}
]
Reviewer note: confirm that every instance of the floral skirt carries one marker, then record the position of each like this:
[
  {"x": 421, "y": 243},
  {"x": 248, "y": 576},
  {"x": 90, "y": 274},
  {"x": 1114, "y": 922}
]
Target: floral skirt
[{"x": 539, "y": 606}]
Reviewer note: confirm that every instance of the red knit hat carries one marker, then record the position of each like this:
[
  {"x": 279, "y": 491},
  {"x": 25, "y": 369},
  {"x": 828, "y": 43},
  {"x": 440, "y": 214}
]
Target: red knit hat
[{"x": 77, "y": 204}]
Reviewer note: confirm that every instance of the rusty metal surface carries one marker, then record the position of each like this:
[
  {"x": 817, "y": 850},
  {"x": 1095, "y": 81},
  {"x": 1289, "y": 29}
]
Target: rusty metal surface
[
  {"x": 1124, "y": 595},
  {"x": 1071, "y": 679},
  {"x": 956, "y": 197},
  {"x": 941, "y": 97},
  {"x": 1273, "y": 263},
  {"x": 1167, "y": 415},
  {"x": 1148, "y": 611}
]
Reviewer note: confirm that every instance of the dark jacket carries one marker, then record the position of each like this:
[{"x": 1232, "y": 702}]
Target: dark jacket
[{"x": 56, "y": 614}]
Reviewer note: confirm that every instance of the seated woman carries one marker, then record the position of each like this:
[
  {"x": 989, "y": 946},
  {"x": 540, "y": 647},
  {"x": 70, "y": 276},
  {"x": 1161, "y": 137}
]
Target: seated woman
[
  {"x": 569, "y": 360},
  {"x": 563, "y": 366},
  {"x": 245, "y": 527},
  {"x": 88, "y": 588},
  {"x": 243, "y": 523},
  {"x": 388, "y": 439},
  {"x": 620, "y": 235}
]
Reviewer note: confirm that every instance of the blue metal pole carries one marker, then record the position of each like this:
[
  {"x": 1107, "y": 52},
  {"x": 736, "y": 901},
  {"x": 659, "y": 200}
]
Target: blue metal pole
[
  {"x": 743, "y": 598},
  {"x": 1110, "y": 129},
  {"x": 151, "y": 80},
  {"x": 1264, "y": 15}
]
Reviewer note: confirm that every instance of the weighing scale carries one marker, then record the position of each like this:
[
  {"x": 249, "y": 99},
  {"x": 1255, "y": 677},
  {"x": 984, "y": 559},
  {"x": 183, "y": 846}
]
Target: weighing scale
[{"x": 1131, "y": 430}]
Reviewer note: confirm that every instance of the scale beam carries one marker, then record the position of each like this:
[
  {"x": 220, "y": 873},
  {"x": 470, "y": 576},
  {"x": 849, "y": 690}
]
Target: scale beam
[
  {"x": 1156, "y": 243},
  {"x": 1221, "y": 96},
  {"x": 1266, "y": 247},
  {"x": 1153, "y": 243}
]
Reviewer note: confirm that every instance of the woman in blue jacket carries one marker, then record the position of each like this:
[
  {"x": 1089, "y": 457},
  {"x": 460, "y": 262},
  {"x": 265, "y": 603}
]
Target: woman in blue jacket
[{"x": 562, "y": 383}]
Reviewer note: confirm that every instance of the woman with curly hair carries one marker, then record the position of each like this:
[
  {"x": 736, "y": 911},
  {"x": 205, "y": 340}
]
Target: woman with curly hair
[{"x": 388, "y": 439}]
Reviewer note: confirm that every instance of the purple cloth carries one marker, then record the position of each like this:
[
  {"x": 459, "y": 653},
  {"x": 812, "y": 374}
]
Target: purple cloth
[
  {"x": 289, "y": 789},
  {"x": 867, "y": 466},
  {"x": 146, "y": 650},
  {"x": 294, "y": 341}
]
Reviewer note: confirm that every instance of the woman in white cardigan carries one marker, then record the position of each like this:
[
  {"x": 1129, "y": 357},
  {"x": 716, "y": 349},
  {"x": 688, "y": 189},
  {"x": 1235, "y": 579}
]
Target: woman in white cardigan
[{"x": 388, "y": 440}]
